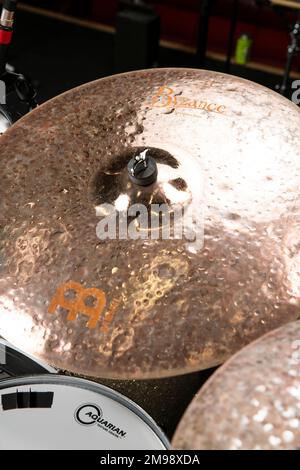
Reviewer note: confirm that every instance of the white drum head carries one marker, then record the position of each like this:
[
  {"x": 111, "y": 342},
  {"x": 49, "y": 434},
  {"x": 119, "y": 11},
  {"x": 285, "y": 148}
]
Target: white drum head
[{"x": 59, "y": 412}]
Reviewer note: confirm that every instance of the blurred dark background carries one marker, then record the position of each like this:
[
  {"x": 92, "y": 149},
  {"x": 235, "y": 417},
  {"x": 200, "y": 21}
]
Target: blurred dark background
[{"x": 60, "y": 44}]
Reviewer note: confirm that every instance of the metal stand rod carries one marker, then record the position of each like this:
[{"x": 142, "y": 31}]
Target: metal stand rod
[
  {"x": 6, "y": 30},
  {"x": 234, "y": 18},
  {"x": 292, "y": 51},
  {"x": 15, "y": 83},
  {"x": 205, "y": 11}
]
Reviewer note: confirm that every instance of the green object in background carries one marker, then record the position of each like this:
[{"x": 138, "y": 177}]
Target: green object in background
[{"x": 242, "y": 50}]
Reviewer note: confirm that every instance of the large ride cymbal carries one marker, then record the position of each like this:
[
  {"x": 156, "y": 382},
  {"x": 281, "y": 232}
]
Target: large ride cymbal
[
  {"x": 252, "y": 401},
  {"x": 226, "y": 149}
]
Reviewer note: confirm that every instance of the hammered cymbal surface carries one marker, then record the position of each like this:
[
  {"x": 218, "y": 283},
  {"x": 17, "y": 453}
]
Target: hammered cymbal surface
[
  {"x": 225, "y": 147},
  {"x": 252, "y": 401}
]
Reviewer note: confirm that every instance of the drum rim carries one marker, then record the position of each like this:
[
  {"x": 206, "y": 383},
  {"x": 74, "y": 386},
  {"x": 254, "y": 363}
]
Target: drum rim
[{"x": 39, "y": 362}]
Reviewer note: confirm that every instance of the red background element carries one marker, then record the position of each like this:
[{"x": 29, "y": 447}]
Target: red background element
[{"x": 180, "y": 19}]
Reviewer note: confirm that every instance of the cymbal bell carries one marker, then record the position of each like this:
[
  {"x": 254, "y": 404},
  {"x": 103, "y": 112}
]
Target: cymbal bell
[
  {"x": 252, "y": 402},
  {"x": 143, "y": 305}
]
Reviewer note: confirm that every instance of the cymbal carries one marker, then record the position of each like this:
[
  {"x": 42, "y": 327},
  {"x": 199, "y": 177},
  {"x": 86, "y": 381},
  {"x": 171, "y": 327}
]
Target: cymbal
[
  {"x": 252, "y": 401},
  {"x": 227, "y": 153}
]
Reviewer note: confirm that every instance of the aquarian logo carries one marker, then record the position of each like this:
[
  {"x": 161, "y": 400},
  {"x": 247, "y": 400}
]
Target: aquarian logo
[{"x": 90, "y": 414}]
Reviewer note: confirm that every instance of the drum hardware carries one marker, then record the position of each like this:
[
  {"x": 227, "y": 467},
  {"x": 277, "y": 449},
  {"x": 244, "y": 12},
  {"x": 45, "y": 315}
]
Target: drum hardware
[
  {"x": 142, "y": 169},
  {"x": 292, "y": 51},
  {"x": 177, "y": 309},
  {"x": 14, "y": 362},
  {"x": 280, "y": 6},
  {"x": 20, "y": 94},
  {"x": 5, "y": 119},
  {"x": 6, "y": 30}
]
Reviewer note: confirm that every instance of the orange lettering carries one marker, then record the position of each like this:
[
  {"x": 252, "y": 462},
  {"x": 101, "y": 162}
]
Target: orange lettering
[
  {"x": 164, "y": 97},
  {"x": 219, "y": 109},
  {"x": 211, "y": 107},
  {"x": 110, "y": 315},
  {"x": 78, "y": 305},
  {"x": 202, "y": 105}
]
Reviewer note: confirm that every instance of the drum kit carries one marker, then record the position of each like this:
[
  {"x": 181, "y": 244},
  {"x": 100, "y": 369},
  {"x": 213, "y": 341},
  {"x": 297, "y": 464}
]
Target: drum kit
[{"x": 149, "y": 231}]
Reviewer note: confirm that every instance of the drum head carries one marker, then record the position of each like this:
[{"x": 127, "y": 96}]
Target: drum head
[{"x": 57, "y": 412}]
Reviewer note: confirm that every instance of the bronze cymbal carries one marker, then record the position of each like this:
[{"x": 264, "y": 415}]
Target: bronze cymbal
[
  {"x": 252, "y": 401},
  {"x": 226, "y": 148}
]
